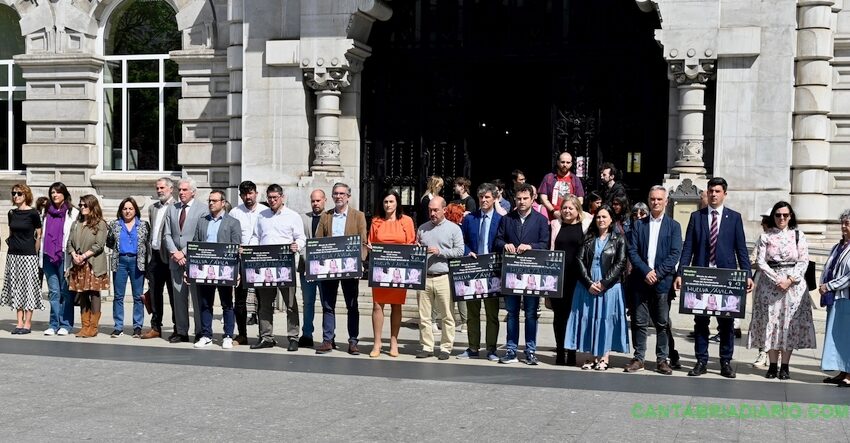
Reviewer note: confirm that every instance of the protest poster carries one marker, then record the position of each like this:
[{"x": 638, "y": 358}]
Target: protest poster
[
  {"x": 713, "y": 291},
  {"x": 333, "y": 258},
  {"x": 397, "y": 266},
  {"x": 475, "y": 278},
  {"x": 534, "y": 272},
  {"x": 268, "y": 266},
  {"x": 212, "y": 263}
]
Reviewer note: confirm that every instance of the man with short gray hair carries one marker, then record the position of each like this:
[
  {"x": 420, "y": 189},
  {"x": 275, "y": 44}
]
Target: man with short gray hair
[{"x": 158, "y": 274}]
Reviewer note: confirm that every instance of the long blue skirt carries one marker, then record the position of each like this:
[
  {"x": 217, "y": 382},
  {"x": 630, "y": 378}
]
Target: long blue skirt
[
  {"x": 598, "y": 323},
  {"x": 836, "y": 344}
]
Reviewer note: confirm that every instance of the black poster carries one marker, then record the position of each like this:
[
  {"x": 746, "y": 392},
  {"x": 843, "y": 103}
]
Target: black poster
[
  {"x": 397, "y": 266},
  {"x": 333, "y": 258},
  {"x": 475, "y": 278},
  {"x": 268, "y": 266},
  {"x": 713, "y": 291},
  {"x": 212, "y": 263},
  {"x": 534, "y": 272}
]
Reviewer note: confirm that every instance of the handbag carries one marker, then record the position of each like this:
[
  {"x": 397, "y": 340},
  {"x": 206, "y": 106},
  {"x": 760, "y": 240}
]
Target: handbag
[
  {"x": 809, "y": 276},
  {"x": 146, "y": 300}
]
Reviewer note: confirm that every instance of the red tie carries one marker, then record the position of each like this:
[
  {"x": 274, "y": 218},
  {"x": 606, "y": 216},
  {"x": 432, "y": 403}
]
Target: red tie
[
  {"x": 182, "y": 217},
  {"x": 712, "y": 239}
]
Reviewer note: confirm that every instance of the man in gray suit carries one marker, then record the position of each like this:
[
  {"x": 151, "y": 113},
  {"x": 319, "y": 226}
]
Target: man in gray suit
[
  {"x": 217, "y": 227},
  {"x": 159, "y": 275},
  {"x": 181, "y": 220}
]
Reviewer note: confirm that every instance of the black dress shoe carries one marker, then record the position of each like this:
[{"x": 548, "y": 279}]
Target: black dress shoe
[
  {"x": 252, "y": 320},
  {"x": 173, "y": 334},
  {"x": 306, "y": 342},
  {"x": 738, "y": 333},
  {"x": 571, "y": 358},
  {"x": 675, "y": 364},
  {"x": 177, "y": 338},
  {"x": 263, "y": 344},
  {"x": 726, "y": 369},
  {"x": 293, "y": 346},
  {"x": 698, "y": 369}
]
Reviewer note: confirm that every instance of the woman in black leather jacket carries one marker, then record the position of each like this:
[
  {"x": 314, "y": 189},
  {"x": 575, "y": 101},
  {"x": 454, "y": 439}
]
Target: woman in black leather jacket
[{"x": 597, "y": 322}]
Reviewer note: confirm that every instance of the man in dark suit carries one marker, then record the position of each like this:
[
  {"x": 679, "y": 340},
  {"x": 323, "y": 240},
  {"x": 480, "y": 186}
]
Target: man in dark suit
[
  {"x": 308, "y": 288},
  {"x": 654, "y": 251},
  {"x": 217, "y": 227},
  {"x": 342, "y": 220},
  {"x": 479, "y": 233},
  {"x": 181, "y": 220},
  {"x": 159, "y": 276},
  {"x": 715, "y": 238},
  {"x": 520, "y": 230}
]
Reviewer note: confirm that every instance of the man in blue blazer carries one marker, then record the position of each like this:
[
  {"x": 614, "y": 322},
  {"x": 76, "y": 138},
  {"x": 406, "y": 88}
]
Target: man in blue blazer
[
  {"x": 728, "y": 251},
  {"x": 654, "y": 251},
  {"x": 520, "y": 230},
  {"x": 479, "y": 233},
  {"x": 217, "y": 227}
]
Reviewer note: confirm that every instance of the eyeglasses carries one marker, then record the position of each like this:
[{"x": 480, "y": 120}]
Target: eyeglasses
[
  {"x": 781, "y": 215},
  {"x": 340, "y": 194},
  {"x": 213, "y": 200},
  {"x": 83, "y": 205},
  {"x": 17, "y": 194}
]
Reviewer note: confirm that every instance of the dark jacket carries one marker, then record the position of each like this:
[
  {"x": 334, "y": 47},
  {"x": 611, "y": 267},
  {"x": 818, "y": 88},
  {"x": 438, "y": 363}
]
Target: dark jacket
[{"x": 612, "y": 261}]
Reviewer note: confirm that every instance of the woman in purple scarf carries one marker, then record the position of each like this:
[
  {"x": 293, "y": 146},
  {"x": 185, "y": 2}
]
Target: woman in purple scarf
[{"x": 58, "y": 217}]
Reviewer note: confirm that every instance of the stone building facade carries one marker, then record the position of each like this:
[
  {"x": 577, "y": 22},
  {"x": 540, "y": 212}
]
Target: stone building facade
[{"x": 270, "y": 90}]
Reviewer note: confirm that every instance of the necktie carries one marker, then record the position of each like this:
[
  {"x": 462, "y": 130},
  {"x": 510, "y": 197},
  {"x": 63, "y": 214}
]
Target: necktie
[
  {"x": 482, "y": 236},
  {"x": 712, "y": 238},
  {"x": 182, "y": 217}
]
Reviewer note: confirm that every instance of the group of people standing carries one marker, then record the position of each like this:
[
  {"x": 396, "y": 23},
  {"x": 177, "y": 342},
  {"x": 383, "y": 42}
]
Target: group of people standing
[{"x": 620, "y": 277}]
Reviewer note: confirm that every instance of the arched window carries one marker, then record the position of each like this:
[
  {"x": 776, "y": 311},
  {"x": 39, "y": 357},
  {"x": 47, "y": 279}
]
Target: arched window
[
  {"x": 12, "y": 92},
  {"x": 141, "y": 88}
]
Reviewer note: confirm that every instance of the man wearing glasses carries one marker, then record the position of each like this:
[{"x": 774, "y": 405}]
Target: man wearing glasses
[
  {"x": 342, "y": 220},
  {"x": 278, "y": 225}
]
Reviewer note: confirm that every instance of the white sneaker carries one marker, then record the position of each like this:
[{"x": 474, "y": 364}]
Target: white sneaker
[
  {"x": 761, "y": 360},
  {"x": 227, "y": 343},
  {"x": 62, "y": 331},
  {"x": 49, "y": 332},
  {"x": 203, "y": 342}
]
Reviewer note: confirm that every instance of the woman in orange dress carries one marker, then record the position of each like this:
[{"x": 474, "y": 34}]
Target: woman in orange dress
[{"x": 389, "y": 226}]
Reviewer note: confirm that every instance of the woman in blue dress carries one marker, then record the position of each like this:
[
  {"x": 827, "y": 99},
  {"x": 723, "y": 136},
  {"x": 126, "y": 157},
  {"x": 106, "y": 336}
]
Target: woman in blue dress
[{"x": 597, "y": 323}]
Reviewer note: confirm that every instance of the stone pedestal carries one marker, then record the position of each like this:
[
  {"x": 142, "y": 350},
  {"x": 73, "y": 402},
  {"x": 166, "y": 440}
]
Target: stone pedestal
[
  {"x": 691, "y": 107},
  {"x": 61, "y": 116},
  {"x": 205, "y": 154}
]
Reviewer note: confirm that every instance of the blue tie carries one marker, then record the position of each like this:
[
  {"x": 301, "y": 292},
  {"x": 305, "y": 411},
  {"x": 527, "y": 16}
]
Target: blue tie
[{"x": 482, "y": 236}]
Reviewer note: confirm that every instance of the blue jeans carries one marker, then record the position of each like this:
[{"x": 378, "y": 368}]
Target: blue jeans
[
  {"x": 308, "y": 294},
  {"x": 206, "y": 295},
  {"x": 61, "y": 300},
  {"x": 530, "y": 304},
  {"x": 127, "y": 269}
]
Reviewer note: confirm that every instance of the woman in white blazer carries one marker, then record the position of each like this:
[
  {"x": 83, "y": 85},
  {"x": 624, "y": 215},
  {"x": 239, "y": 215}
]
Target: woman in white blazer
[{"x": 55, "y": 261}]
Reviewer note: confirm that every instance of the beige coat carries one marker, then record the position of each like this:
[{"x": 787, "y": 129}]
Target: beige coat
[{"x": 83, "y": 239}]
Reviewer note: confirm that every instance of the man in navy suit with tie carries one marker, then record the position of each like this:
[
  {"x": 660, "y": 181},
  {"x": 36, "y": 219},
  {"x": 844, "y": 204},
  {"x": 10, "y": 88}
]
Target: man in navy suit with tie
[
  {"x": 654, "y": 251},
  {"x": 715, "y": 238},
  {"x": 479, "y": 232},
  {"x": 520, "y": 230}
]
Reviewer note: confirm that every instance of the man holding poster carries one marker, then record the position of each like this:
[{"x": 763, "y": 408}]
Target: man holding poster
[
  {"x": 216, "y": 227},
  {"x": 715, "y": 239},
  {"x": 479, "y": 232},
  {"x": 519, "y": 231}
]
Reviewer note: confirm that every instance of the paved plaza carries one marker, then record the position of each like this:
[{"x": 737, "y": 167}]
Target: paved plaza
[{"x": 68, "y": 389}]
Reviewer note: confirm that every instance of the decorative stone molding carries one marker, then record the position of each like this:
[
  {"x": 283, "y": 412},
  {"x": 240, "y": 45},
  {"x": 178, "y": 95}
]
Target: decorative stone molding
[
  {"x": 690, "y": 75},
  {"x": 57, "y": 27}
]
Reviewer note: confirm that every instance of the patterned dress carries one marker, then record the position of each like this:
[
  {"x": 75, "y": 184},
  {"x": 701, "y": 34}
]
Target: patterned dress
[
  {"x": 782, "y": 319},
  {"x": 22, "y": 288}
]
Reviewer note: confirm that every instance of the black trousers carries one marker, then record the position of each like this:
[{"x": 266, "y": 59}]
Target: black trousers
[
  {"x": 561, "y": 308},
  {"x": 240, "y": 310},
  {"x": 159, "y": 277}
]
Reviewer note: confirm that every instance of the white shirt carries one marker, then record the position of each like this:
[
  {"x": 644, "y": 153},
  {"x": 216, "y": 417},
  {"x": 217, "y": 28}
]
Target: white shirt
[
  {"x": 654, "y": 230},
  {"x": 248, "y": 220},
  {"x": 719, "y": 210},
  {"x": 156, "y": 240},
  {"x": 280, "y": 228}
]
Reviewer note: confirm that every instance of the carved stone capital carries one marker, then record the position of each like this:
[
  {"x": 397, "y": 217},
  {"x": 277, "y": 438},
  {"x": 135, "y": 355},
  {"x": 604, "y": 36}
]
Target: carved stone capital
[
  {"x": 684, "y": 71},
  {"x": 333, "y": 78},
  {"x": 689, "y": 157}
]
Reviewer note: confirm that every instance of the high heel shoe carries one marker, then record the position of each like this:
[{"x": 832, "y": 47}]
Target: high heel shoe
[
  {"x": 393, "y": 353},
  {"x": 375, "y": 354}
]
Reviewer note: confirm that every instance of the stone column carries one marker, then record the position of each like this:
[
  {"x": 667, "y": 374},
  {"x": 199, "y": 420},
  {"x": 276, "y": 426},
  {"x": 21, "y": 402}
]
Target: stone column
[
  {"x": 812, "y": 104},
  {"x": 204, "y": 153},
  {"x": 61, "y": 116},
  {"x": 327, "y": 83},
  {"x": 690, "y": 78}
]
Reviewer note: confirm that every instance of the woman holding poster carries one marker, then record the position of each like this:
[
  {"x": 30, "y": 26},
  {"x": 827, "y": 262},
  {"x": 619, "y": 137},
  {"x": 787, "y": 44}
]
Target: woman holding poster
[
  {"x": 782, "y": 309},
  {"x": 835, "y": 295},
  {"x": 597, "y": 323},
  {"x": 391, "y": 226}
]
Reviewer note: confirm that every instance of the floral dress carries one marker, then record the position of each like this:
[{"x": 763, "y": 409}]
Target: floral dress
[{"x": 782, "y": 319}]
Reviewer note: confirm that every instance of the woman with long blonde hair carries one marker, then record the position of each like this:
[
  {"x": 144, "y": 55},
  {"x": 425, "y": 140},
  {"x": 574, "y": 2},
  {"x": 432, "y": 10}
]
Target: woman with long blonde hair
[{"x": 88, "y": 275}]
